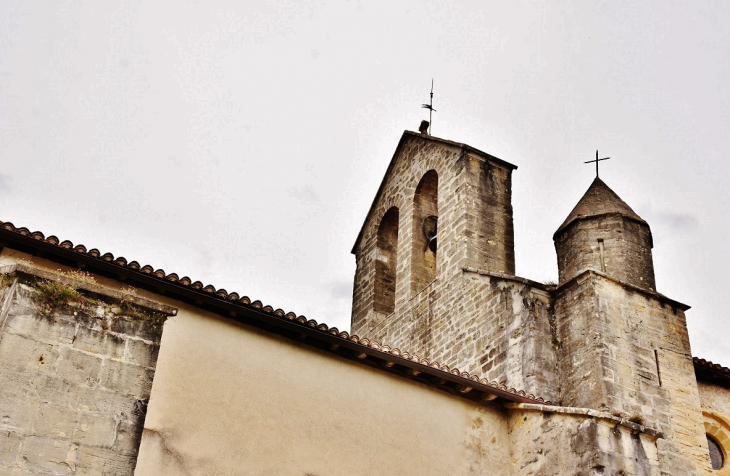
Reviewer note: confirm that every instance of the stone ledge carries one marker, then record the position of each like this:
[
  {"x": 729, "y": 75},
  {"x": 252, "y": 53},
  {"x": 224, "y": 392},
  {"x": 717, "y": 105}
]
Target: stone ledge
[
  {"x": 588, "y": 412},
  {"x": 90, "y": 287},
  {"x": 658, "y": 296},
  {"x": 508, "y": 277}
]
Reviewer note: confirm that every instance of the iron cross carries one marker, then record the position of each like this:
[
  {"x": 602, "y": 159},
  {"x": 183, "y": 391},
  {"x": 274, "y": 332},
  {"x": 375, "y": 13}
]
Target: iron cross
[{"x": 596, "y": 161}]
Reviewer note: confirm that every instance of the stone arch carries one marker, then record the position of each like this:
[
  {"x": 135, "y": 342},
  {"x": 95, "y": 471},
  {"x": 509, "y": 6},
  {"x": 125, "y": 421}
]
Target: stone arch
[
  {"x": 386, "y": 263},
  {"x": 718, "y": 428},
  {"x": 425, "y": 215}
]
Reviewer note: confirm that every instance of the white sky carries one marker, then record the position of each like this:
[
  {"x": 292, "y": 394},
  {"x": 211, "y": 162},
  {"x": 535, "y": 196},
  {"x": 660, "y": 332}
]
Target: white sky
[{"x": 241, "y": 143}]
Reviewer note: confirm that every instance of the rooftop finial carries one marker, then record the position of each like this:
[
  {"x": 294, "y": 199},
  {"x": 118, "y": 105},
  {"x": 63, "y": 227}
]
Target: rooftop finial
[
  {"x": 430, "y": 108},
  {"x": 423, "y": 128},
  {"x": 596, "y": 161}
]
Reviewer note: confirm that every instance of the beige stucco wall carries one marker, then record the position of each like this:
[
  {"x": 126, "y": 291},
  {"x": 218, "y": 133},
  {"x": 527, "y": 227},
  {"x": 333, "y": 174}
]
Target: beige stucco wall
[{"x": 229, "y": 399}]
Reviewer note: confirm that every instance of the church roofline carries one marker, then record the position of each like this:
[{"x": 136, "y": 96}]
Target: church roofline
[
  {"x": 710, "y": 372},
  {"x": 577, "y": 219},
  {"x": 556, "y": 288},
  {"x": 242, "y": 310},
  {"x": 599, "y": 200},
  {"x": 658, "y": 296},
  {"x": 509, "y": 277},
  {"x": 409, "y": 134}
]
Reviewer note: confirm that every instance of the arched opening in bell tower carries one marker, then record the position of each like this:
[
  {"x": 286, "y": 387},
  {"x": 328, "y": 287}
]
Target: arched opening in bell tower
[
  {"x": 385, "y": 264},
  {"x": 424, "y": 247}
]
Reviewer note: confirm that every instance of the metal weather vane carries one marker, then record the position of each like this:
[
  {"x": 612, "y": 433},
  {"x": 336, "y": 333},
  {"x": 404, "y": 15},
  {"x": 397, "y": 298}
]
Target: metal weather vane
[
  {"x": 596, "y": 160},
  {"x": 430, "y": 108}
]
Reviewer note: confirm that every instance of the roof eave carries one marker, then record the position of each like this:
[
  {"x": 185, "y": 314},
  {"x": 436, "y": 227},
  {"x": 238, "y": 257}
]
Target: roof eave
[
  {"x": 574, "y": 220},
  {"x": 287, "y": 325}
]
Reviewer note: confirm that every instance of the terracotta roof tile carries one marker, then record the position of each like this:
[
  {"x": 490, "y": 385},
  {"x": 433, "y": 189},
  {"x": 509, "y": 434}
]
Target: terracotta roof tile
[
  {"x": 278, "y": 313},
  {"x": 710, "y": 372}
]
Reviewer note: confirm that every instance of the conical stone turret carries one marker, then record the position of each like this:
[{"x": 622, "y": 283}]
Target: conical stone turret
[{"x": 604, "y": 234}]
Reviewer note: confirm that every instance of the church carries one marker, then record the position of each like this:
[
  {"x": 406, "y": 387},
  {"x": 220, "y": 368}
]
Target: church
[{"x": 454, "y": 365}]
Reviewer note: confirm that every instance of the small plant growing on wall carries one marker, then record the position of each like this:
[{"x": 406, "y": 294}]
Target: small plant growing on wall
[
  {"x": 638, "y": 419},
  {"x": 5, "y": 280},
  {"x": 53, "y": 294},
  {"x": 131, "y": 312}
]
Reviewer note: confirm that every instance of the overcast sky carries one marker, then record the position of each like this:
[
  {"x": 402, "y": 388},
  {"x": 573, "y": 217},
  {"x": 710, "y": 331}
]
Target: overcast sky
[{"x": 241, "y": 143}]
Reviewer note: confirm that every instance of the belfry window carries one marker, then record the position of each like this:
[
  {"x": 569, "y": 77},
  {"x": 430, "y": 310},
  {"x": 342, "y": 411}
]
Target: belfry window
[
  {"x": 425, "y": 228},
  {"x": 386, "y": 261}
]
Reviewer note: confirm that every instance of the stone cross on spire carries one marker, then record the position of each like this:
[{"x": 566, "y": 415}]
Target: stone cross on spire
[{"x": 596, "y": 161}]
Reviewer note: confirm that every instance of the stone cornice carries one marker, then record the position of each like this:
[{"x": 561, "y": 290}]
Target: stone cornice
[{"x": 590, "y": 413}]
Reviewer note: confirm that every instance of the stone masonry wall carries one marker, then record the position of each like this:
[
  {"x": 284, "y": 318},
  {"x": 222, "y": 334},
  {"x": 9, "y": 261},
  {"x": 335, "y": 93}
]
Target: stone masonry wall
[
  {"x": 626, "y": 250},
  {"x": 625, "y": 351},
  {"x": 474, "y": 225},
  {"x": 576, "y": 442},
  {"x": 495, "y": 326},
  {"x": 715, "y": 398},
  {"x": 74, "y": 380}
]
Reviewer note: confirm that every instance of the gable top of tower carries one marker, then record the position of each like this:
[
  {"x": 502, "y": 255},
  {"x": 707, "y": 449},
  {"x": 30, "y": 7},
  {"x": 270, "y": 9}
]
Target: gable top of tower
[
  {"x": 599, "y": 200},
  {"x": 424, "y": 137}
]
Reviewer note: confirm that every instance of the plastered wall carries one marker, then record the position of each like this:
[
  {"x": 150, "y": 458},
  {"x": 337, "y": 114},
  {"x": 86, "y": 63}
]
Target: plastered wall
[{"x": 233, "y": 400}]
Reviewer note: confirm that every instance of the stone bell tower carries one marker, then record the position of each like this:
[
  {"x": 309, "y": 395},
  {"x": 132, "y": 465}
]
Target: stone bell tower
[
  {"x": 435, "y": 267},
  {"x": 441, "y": 206}
]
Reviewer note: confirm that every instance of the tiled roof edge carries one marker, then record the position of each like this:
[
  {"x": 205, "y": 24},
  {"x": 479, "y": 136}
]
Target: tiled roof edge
[
  {"x": 707, "y": 371},
  {"x": 463, "y": 381}
]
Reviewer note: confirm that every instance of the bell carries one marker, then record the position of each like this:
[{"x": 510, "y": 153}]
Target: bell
[
  {"x": 432, "y": 243},
  {"x": 430, "y": 232}
]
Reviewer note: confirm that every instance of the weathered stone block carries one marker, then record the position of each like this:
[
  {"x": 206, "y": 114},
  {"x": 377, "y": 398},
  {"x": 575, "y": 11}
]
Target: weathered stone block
[
  {"x": 128, "y": 436},
  {"x": 41, "y": 328},
  {"x": 95, "y": 430},
  {"x": 9, "y": 447},
  {"x": 137, "y": 328},
  {"x": 104, "y": 401},
  {"x": 22, "y": 354},
  {"x": 127, "y": 379},
  {"x": 54, "y": 422},
  {"x": 48, "y": 455},
  {"x": 18, "y": 414},
  {"x": 78, "y": 368},
  {"x": 99, "y": 342},
  {"x": 142, "y": 353},
  {"x": 93, "y": 461}
]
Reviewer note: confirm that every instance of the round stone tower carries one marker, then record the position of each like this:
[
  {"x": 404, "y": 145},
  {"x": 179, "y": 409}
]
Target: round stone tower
[{"x": 604, "y": 234}]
